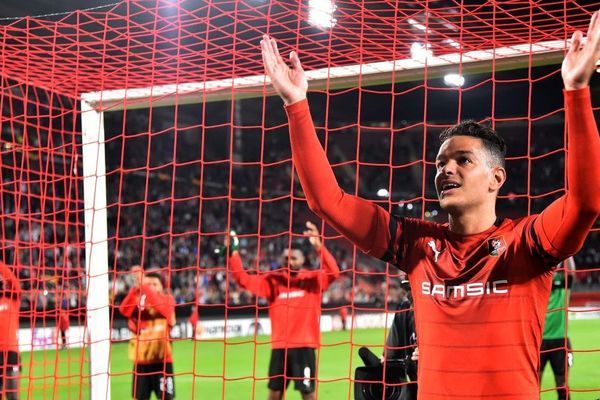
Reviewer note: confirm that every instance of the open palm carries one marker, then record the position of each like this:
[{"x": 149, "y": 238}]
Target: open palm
[
  {"x": 289, "y": 83},
  {"x": 580, "y": 62}
]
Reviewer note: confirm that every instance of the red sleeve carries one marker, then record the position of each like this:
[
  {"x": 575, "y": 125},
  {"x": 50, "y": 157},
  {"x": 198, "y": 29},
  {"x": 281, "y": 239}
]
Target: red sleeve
[
  {"x": 562, "y": 227},
  {"x": 259, "y": 285},
  {"x": 330, "y": 271},
  {"x": 163, "y": 303},
  {"x": 194, "y": 319},
  {"x": 129, "y": 305},
  {"x": 361, "y": 221},
  {"x": 13, "y": 287}
]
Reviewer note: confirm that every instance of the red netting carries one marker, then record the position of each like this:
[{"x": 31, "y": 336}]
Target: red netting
[
  {"x": 180, "y": 177},
  {"x": 146, "y": 43}
]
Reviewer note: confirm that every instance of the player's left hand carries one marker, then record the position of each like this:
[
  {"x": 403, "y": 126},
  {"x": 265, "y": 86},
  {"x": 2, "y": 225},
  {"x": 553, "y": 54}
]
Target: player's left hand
[
  {"x": 415, "y": 355},
  {"x": 580, "y": 62},
  {"x": 312, "y": 233}
]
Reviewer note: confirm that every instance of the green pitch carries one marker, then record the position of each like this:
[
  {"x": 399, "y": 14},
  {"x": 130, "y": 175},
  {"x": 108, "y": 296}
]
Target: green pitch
[{"x": 202, "y": 374}]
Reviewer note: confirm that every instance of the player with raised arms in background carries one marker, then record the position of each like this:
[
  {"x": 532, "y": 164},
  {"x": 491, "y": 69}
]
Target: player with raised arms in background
[
  {"x": 150, "y": 313},
  {"x": 294, "y": 298},
  {"x": 480, "y": 283}
]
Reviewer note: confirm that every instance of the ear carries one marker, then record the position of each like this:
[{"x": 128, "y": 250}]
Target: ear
[{"x": 498, "y": 178}]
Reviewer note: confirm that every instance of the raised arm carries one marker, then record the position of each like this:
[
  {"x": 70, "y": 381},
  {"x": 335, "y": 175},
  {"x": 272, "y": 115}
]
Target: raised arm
[
  {"x": 161, "y": 302},
  {"x": 11, "y": 284},
  {"x": 257, "y": 284},
  {"x": 330, "y": 271},
  {"x": 564, "y": 225},
  {"x": 362, "y": 222},
  {"x": 129, "y": 305}
]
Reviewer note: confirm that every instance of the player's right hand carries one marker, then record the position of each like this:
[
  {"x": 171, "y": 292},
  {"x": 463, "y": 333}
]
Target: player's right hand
[
  {"x": 312, "y": 233},
  {"x": 231, "y": 243},
  {"x": 289, "y": 83},
  {"x": 138, "y": 274}
]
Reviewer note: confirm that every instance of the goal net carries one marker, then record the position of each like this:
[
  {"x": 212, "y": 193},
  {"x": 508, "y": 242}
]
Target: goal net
[{"x": 141, "y": 133}]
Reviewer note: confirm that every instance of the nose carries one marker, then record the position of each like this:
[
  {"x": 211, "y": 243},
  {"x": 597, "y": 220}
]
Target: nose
[{"x": 449, "y": 168}]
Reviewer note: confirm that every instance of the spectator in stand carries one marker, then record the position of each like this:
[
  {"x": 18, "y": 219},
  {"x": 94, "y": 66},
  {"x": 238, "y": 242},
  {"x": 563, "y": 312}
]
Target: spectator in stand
[
  {"x": 150, "y": 311},
  {"x": 556, "y": 345},
  {"x": 294, "y": 298},
  {"x": 10, "y": 298}
]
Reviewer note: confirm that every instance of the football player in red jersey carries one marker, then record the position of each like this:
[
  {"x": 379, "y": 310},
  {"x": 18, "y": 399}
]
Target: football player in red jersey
[
  {"x": 480, "y": 283},
  {"x": 294, "y": 298},
  {"x": 10, "y": 301}
]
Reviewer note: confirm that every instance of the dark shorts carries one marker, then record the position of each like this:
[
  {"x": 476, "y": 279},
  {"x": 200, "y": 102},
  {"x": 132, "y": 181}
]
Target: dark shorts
[
  {"x": 553, "y": 351},
  {"x": 9, "y": 359},
  {"x": 298, "y": 365},
  {"x": 10, "y": 366},
  {"x": 153, "y": 378}
]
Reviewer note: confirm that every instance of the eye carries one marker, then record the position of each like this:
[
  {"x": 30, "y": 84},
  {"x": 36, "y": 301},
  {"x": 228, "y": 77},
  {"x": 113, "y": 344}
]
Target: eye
[
  {"x": 439, "y": 165},
  {"x": 464, "y": 160}
]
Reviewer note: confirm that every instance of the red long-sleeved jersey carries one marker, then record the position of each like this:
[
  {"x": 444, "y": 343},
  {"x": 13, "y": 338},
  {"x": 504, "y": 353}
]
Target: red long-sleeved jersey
[
  {"x": 480, "y": 300},
  {"x": 10, "y": 301},
  {"x": 142, "y": 307},
  {"x": 294, "y": 300}
]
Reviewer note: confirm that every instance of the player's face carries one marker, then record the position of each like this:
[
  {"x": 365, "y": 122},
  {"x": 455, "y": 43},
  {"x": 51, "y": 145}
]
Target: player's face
[
  {"x": 294, "y": 258},
  {"x": 464, "y": 177},
  {"x": 153, "y": 283}
]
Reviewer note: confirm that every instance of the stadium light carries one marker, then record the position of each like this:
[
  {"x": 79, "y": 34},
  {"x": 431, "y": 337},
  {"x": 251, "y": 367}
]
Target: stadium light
[
  {"x": 383, "y": 193},
  {"x": 320, "y": 13},
  {"x": 452, "y": 43},
  {"x": 454, "y": 80},
  {"x": 417, "y": 25},
  {"x": 420, "y": 52}
]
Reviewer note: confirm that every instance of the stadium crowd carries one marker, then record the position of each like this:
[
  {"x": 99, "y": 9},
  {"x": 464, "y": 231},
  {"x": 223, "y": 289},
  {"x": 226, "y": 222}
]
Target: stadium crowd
[{"x": 154, "y": 208}]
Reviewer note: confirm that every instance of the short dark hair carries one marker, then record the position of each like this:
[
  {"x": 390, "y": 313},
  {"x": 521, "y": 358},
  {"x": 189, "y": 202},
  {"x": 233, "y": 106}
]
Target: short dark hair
[
  {"x": 157, "y": 275},
  {"x": 493, "y": 143},
  {"x": 298, "y": 246}
]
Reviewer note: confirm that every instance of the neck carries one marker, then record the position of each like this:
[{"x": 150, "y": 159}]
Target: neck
[{"x": 472, "y": 222}]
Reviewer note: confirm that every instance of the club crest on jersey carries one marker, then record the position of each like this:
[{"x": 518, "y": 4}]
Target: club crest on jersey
[{"x": 496, "y": 246}]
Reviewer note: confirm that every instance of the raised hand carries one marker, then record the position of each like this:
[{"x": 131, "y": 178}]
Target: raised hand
[
  {"x": 230, "y": 245},
  {"x": 289, "y": 83},
  {"x": 138, "y": 275},
  {"x": 312, "y": 233},
  {"x": 580, "y": 62}
]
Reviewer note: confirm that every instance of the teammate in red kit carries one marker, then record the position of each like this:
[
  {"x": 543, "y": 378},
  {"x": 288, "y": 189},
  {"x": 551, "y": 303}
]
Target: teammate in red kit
[
  {"x": 295, "y": 311},
  {"x": 150, "y": 311},
  {"x": 63, "y": 326},
  {"x": 10, "y": 301},
  {"x": 480, "y": 283}
]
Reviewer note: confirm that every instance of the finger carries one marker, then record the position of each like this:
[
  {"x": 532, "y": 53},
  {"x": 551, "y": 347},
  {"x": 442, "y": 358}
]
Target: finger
[
  {"x": 593, "y": 22},
  {"x": 310, "y": 225},
  {"x": 276, "y": 54},
  {"x": 295, "y": 60},
  {"x": 575, "y": 42},
  {"x": 267, "y": 54}
]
